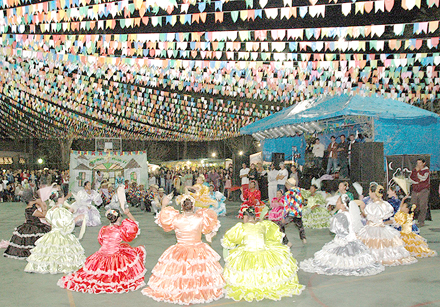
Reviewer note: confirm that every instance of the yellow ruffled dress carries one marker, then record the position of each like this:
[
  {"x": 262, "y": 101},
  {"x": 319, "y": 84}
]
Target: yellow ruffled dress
[
  {"x": 202, "y": 197},
  {"x": 258, "y": 266},
  {"x": 415, "y": 244}
]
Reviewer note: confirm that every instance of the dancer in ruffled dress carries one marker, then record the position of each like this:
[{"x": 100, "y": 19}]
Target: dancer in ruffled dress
[
  {"x": 58, "y": 251},
  {"x": 276, "y": 213},
  {"x": 345, "y": 254},
  {"x": 415, "y": 244},
  {"x": 83, "y": 206},
  {"x": 331, "y": 201},
  {"x": 24, "y": 236},
  {"x": 383, "y": 241},
  {"x": 394, "y": 201},
  {"x": 116, "y": 267},
  {"x": 252, "y": 198},
  {"x": 315, "y": 215},
  {"x": 220, "y": 198},
  {"x": 258, "y": 266},
  {"x": 200, "y": 193},
  {"x": 188, "y": 272}
]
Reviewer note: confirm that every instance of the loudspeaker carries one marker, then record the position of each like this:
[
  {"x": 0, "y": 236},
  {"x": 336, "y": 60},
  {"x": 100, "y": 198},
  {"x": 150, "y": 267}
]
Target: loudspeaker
[
  {"x": 367, "y": 162},
  {"x": 277, "y": 158}
]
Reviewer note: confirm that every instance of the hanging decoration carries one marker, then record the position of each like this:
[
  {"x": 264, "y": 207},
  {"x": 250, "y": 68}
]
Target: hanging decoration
[{"x": 201, "y": 70}]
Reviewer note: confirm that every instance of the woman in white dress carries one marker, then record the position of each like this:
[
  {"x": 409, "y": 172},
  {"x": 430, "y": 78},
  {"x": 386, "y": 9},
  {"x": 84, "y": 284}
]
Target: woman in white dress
[
  {"x": 345, "y": 254},
  {"x": 83, "y": 207},
  {"x": 383, "y": 241}
]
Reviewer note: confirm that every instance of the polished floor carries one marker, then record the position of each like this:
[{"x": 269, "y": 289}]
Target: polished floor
[{"x": 403, "y": 286}]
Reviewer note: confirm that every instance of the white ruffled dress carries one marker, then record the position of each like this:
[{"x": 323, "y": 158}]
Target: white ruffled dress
[
  {"x": 344, "y": 255},
  {"x": 383, "y": 241}
]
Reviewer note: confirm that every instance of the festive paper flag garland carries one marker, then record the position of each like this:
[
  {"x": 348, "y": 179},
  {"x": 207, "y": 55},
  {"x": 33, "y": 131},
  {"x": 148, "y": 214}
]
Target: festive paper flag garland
[{"x": 422, "y": 58}]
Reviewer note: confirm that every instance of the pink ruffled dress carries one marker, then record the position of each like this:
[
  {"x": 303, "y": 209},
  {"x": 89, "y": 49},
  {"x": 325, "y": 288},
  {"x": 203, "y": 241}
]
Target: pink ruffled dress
[
  {"x": 188, "y": 272},
  {"x": 115, "y": 268},
  {"x": 276, "y": 209}
]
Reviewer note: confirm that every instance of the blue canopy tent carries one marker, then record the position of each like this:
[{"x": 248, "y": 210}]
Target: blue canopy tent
[{"x": 403, "y": 128}]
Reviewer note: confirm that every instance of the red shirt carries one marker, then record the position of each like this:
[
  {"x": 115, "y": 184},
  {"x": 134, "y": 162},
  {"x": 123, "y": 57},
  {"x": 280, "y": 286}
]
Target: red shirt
[{"x": 420, "y": 179}]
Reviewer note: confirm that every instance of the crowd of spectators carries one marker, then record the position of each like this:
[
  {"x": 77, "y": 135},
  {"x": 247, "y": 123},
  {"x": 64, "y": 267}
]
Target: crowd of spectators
[
  {"x": 14, "y": 182},
  {"x": 163, "y": 180}
]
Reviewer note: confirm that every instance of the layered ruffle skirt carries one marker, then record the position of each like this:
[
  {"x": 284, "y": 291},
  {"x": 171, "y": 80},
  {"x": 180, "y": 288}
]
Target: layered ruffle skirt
[
  {"x": 23, "y": 240},
  {"x": 317, "y": 218},
  {"x": 341, "y": 257},
  {"x": 120, "y": 272},
  {"x": 186, "y": 274},
  {"x": 263, "y": 274},
  {"x": 385, "y": 245},
  {"x": 417, "y": 246},
  {"x": 54, "y": 253}
]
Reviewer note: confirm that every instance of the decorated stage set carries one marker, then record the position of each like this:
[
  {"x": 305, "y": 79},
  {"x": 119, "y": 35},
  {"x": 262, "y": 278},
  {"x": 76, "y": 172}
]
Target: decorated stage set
[
  {"x": 402, "y": 128},
  {"x": 84, "y": 165}
]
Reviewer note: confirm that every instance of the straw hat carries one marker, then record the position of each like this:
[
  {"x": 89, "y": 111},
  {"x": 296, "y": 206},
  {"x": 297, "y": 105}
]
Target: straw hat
[{"x": 291, "y": 182}]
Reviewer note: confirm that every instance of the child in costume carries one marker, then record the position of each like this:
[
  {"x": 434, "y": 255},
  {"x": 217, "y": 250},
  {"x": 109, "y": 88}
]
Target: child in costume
[
  {"x": 220, "y": 198},
  {"x": 345, "y": 254},
  {"x": 58, "y": 251},
  {"x": 83, "y": 206},
  {"x": 200, "y": 192},
  {"x": 252, "y": 198},
  {"x": 415, "y": 244},
  {"x": 24, "y": 236},
  {"x": 315, "y": 215},
  {"x": 188, "y": 272},
  {"x": 384, "y": 242},
  {"x": 277, "y": 207},
  {"x": 116, "y": 267},
  {"x": 293, "y": 207},
  {"x": 394, "y": 201},
  {"x": 258, "y": 266}
]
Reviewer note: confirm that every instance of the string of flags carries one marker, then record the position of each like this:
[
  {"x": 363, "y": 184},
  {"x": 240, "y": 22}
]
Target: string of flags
[{"x": 200, "y": 70}]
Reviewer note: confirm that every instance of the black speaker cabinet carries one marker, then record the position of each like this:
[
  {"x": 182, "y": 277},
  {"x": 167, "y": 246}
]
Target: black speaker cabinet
[
  {"x": 277, "y": 157},
  {"x": 367, "y": 162}
]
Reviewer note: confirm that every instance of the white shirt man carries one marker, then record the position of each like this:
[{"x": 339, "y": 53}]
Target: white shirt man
[
  {"x": 282, "y": 177},
  {"x": 244, "y": 172},
  {"x": 318, "y": 149}
]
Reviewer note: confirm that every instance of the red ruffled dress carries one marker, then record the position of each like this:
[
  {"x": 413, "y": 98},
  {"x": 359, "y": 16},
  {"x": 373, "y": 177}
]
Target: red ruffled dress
[
  {"x": 188, "y": 272},
  {"x": 251, "y": 199},
  {"x": 115, "y": 268}
]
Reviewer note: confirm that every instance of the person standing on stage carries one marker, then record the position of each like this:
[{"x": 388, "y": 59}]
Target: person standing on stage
[
  {"x": 420, "y": 189},
  {"x": 343, "y": 157},
  {"x": 351, "y": 141},
  {"x": 318, "y": 153}
]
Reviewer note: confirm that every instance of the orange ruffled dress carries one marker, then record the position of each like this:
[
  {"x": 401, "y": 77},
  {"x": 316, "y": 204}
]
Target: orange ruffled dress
[
  {"x": 115, "y": 268},
  {"x": 415, "y": 244},
  {"x": 188, "y": 272}
]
